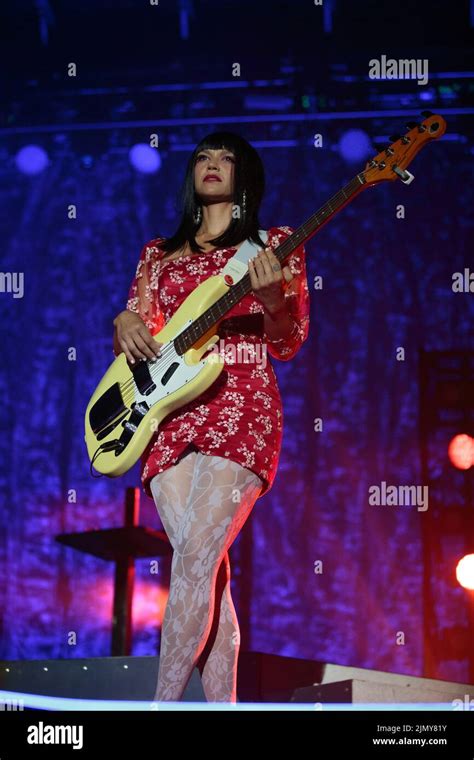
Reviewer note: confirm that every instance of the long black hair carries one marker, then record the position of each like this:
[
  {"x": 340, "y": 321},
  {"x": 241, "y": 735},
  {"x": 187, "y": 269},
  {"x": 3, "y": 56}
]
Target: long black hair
[{"x": 249, "y": 176}]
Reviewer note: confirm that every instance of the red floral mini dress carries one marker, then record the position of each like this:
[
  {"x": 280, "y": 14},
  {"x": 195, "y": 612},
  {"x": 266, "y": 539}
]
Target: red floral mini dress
[{"x": 240, "y": 416}]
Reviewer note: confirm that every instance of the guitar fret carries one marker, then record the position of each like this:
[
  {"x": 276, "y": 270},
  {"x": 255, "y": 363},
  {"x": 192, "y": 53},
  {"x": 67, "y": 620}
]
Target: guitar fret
[{"x": 201, "y": 325}]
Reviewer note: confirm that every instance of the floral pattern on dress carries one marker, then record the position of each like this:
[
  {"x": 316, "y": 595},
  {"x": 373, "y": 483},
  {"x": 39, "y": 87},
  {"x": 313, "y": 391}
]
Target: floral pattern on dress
[{"x": 240, "y": 416}]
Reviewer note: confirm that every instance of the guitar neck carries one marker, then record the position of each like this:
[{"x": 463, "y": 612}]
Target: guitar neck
[{"x": 219, "y": 309}]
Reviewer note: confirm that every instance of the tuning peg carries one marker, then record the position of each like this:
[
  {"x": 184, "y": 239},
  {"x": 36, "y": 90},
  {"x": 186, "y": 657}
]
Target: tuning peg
[
  {"x": 394, "y": 138},
  {"x": 411, "y": 124},
  {"x": 427, "y": 114}
]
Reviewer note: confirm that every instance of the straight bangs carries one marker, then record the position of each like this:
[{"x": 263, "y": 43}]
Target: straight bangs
[{"x": 249, "y": 185}]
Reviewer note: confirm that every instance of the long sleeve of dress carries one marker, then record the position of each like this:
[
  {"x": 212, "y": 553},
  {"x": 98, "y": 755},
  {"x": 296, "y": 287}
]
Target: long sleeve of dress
[
  {"x": 142, "y": 296},
  {"x": 296, "y": 294}
]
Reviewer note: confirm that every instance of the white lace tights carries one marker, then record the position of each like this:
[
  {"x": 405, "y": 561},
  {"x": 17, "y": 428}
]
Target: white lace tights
[{"x": 203, "y": 502}]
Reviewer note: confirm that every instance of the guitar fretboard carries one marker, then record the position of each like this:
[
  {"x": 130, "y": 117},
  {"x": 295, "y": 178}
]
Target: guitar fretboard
[{"x": 190, "y": 335}]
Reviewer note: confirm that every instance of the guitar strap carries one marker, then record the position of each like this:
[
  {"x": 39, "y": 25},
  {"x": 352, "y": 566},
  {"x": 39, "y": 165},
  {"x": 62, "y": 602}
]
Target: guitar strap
[{"x": 237, "y": 266}]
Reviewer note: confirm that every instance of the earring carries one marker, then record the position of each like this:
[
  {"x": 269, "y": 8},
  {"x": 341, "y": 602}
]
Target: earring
[
  {"x": 244, "y": 202},
  {"x": 198, "y": 215}
]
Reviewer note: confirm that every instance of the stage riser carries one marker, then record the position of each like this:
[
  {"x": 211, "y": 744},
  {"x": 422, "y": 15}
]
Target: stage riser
[
  {"x": 365, "y": 692},
  {"x": 131, "y": 678},
  {"x": 261, "y": 678}
]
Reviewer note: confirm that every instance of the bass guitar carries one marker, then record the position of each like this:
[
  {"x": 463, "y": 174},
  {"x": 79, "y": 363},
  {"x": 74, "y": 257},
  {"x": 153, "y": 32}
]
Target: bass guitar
[{"x": 129, "y": 403}]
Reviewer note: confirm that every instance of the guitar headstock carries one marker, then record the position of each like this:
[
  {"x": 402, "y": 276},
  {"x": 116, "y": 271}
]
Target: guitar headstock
[{"x": 392, "y": 162}]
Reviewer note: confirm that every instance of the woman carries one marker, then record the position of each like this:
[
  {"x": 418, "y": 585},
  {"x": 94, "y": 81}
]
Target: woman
[{"x": 212, "y": 458}]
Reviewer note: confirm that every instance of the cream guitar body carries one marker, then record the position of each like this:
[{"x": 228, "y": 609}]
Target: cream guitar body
[{"x": 129, "y": 405}]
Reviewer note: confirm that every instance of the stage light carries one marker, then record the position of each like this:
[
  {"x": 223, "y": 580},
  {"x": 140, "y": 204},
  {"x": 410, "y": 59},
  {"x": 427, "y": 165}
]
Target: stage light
[
  {"x": 87, "y": 161},
  {"x": 461, "y": 451},
  {"x": 355, "y": 145},
  {"x": 465, "y": 572},
  {"x": 31, "y": 159},
  {"x": 149, "y": 603},
  {"x": 144, "y": 158},
  {"x": 427, "y": 95}
]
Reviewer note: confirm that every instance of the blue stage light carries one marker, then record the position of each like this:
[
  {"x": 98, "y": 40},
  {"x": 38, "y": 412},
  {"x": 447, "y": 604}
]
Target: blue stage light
[
  {"x": 355, "y": 145},
  {"x": 32, "y": 159},
  {"x": 144, "y": 158}
]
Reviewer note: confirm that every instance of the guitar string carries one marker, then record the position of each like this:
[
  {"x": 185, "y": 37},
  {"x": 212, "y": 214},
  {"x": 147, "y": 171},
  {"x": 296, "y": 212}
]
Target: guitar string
[
  {"x": 156, "y": 368},
  {"x": 129, "y": 394},
  {"x": 157, "y": 365},
  {"x": 128, "y": 385},
  {"x": 279, "y": 251}
]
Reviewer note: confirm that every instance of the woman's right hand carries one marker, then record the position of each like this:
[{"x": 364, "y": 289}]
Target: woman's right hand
[{"x": 134, "y": 337}]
